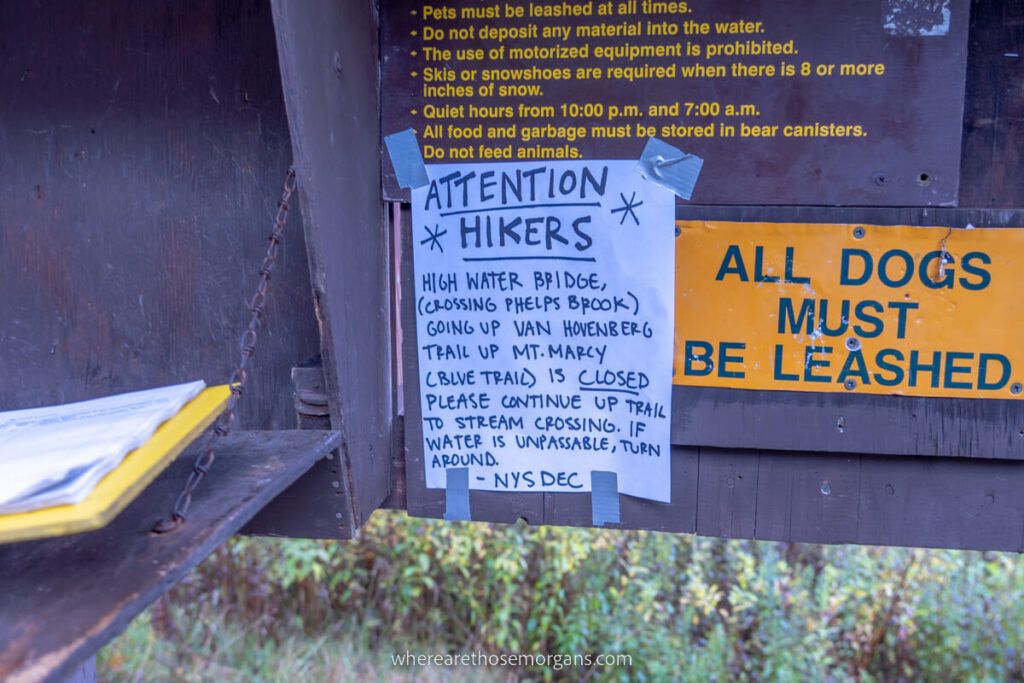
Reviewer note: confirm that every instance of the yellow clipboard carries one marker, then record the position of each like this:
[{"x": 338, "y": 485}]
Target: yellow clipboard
[{"x": 138, "y": 469}]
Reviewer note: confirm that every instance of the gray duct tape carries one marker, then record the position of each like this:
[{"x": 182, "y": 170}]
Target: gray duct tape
[
  {"x": 456, "y": 500},
  {"x": 604, "y": 497},
  {"x": 407, "y": 159},
  {"x": 669, "y": 167}
]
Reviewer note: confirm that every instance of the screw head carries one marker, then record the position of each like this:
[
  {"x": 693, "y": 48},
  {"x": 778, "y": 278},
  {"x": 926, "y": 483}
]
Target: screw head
[
  {"x": 850, "y": 384},
  {"x": 879, "y": 179},
  {"x": 853, "y": 344},
  {"x": 1016, "y": 388},
  {"x": 859, "y": 232}
]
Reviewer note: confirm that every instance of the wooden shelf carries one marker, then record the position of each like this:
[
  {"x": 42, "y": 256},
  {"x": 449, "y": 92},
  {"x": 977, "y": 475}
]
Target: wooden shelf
[{"x": 61, "y": 599}]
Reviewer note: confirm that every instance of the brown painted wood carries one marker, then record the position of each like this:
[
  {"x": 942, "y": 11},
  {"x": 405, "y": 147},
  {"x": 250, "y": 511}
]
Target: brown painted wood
[
  {"x": 811, "y": 497},
  {"x": 839, "y": 423},
  {"x": 873, "y": 500},
  {"x": 727, "y": 493},
  {"x": 992, "y": 154},
  {"x": 143, "y": 147},
  {"x": 318, "y": 505},
  {"x": 328, "y": 60},
  {"x": 61, "y": 599},
  {"x": 971, "y": 504},
  {"x": 944, "y": 217}
]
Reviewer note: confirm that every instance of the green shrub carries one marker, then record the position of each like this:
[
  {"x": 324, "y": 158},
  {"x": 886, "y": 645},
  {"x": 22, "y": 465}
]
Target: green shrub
[{"x": 685, "y": 608}]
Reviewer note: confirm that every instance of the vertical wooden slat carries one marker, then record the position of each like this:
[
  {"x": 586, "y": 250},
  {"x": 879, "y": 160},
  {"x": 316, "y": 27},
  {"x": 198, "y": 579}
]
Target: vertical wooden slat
[
  {"x": 809, "y": 497},
  {"x": 727, "y": 493},
  {"x": 328, "y": 56},
  {"x": 992, "y": 151}
]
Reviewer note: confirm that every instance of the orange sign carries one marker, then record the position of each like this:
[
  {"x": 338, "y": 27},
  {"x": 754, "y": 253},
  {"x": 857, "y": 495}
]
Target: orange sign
[{"x": 850, "y": 308}]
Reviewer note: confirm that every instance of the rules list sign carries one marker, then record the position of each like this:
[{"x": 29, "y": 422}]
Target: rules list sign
[{"x": 544, "y": 321}]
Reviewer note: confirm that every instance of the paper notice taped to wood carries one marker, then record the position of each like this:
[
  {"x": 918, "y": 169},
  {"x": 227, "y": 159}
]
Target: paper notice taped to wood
[{"x": 544, "y": 305}]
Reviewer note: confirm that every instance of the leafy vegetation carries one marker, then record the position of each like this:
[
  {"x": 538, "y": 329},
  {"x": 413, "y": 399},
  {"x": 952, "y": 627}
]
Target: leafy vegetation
[{"x": 685, "y": 608}]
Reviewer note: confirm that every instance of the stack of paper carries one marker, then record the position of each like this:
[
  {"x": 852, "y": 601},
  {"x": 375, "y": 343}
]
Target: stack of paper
[{"x": 57, "y": 455}]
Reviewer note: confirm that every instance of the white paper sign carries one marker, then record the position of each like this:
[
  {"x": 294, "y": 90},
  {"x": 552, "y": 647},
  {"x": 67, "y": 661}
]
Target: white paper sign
[{"x": 544, "y": 320}]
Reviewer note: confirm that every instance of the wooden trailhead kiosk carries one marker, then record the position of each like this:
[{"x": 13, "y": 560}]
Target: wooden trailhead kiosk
[{"x": 739, "y": 269}]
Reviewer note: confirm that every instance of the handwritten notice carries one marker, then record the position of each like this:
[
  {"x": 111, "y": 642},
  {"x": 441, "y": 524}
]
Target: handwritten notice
[{"x": 544, "y": 320}]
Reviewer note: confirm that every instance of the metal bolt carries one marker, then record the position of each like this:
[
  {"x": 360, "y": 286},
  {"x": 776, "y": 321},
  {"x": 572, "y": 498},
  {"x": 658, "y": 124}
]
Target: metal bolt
[
  {"x": 859, "y": 232},
  {"x": 853, "y": 344},
  {"x": 678, "y": 231},
  {"x": 879, "y": 179},
  {"x": 1016, "y": 388},
  {"x": 826, "y": 488},
  {"x": 850, "y": 384}
]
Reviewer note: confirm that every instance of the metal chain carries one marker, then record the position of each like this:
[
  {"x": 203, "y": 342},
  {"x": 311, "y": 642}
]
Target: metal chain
[{"x": 247, "y": 348}]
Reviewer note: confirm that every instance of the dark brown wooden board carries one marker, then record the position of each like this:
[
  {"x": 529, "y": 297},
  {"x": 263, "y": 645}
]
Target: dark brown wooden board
[
  {"x": 143, "y": 146},
  {"x": 727, "y": 493},
  {"x": 62, "y": 599},
  {"x": 972, "y": 504},
  {"x": 328, "y": 59},
  {"x": 872, "y": 500},
  {"x": 894, "y": 425},
  {"x": 803, "y": 497},
  {"x": 812, "y": 496},
  {"x": 318, "y": 505},
  {"x": 993, "y": 139},
  {"x": 912, "y": 114}
]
